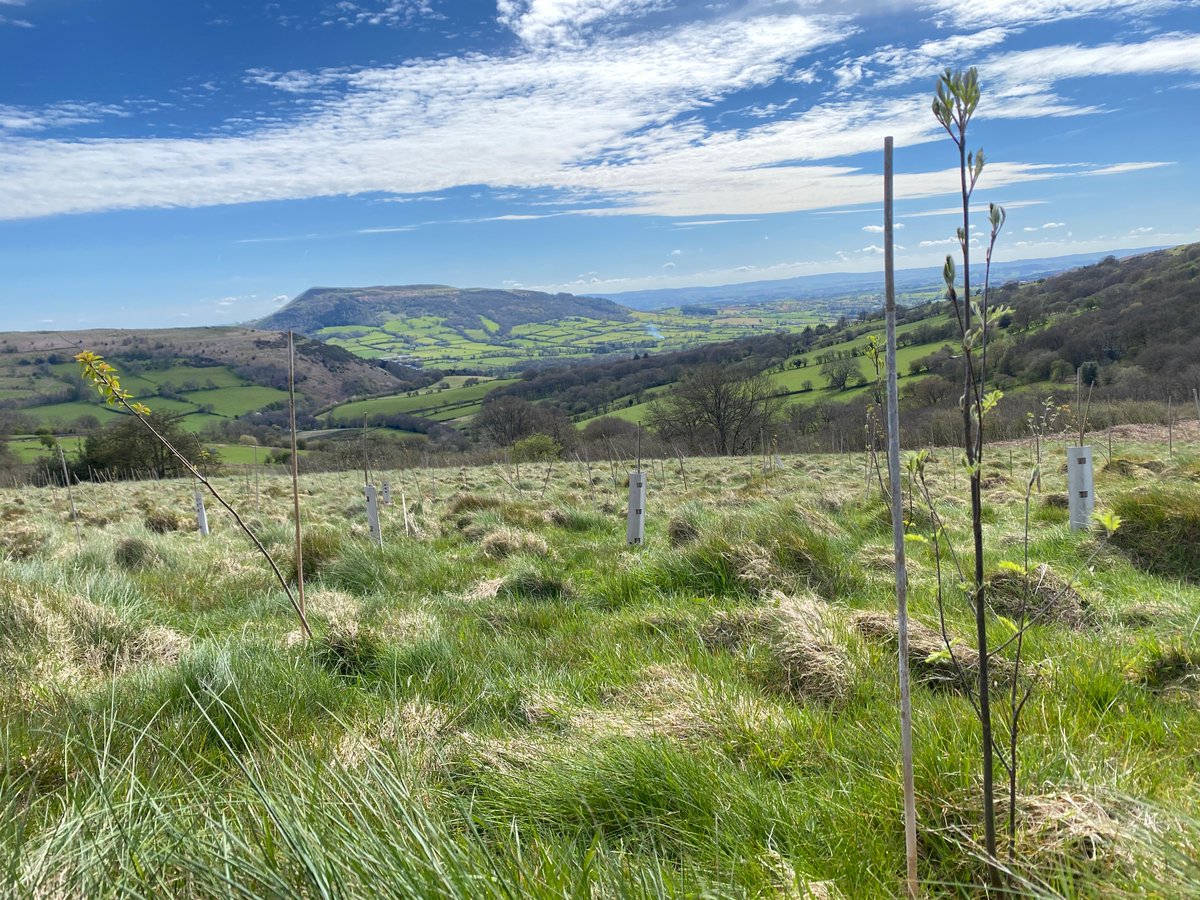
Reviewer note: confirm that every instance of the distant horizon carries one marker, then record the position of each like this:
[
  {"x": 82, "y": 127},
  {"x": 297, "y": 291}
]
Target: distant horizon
[
  {"x": 229, "y": 155},
  {"x": 1120, "y": 252}
]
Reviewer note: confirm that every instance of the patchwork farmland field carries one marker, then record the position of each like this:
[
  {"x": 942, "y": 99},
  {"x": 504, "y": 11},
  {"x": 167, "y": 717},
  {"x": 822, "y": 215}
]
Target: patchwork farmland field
[{"x": 428, "y": 340}]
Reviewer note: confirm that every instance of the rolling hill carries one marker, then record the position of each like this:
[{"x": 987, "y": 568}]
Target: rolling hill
[{"x": 204, "y": 374}]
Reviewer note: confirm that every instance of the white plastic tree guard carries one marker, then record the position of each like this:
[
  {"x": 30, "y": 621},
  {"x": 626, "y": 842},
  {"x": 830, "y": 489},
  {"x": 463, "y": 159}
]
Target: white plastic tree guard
[
  {"x": 387, "y": 493},
  {"x": 373, "y": 515},
  {"x": 201, "y": 515},
  {"x": 635, "y": 532},
  {"x": 1081, "y": 489}
]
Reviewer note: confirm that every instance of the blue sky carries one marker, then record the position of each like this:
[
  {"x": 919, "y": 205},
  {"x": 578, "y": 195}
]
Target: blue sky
[{"x": 202, "y": 162}]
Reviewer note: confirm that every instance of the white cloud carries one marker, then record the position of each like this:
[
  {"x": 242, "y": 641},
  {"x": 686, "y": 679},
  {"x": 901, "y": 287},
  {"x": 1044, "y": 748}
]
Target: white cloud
[
  {"x": 1049, "y": 225},
  {"x": 944, "y": 242},
  {"x": 1145, "y": 229},
  {"x": 57, "y": 115},
  {"x": 878, "y": 229},
  {"x": 1027, "y": 12},
  {"x": 567, "y": 22},
  {"x": 611, "y": 124},
  {"x": 377, "y": 12}
]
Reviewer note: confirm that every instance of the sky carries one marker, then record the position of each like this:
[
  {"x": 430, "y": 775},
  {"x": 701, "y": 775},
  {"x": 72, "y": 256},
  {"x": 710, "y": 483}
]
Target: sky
[{"x": 194, "y": 163}]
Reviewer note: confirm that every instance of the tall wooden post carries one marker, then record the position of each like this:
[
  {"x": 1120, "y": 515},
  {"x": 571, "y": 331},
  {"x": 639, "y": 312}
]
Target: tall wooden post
[
  {"x": 295, "y": 473},
  {"x": 893, "y": 420}
]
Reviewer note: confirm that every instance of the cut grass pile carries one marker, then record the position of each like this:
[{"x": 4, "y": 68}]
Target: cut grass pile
[{"x": 509, "y": 701}]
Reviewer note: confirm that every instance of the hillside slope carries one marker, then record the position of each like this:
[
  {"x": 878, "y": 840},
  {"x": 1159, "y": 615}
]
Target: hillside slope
[
  {"x": 322, "y": 307},
  {"x": 197, "y": 372}
]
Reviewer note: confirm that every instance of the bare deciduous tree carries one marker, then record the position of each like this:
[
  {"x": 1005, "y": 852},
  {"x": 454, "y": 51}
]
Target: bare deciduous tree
[{"x": 718, "y": 409}]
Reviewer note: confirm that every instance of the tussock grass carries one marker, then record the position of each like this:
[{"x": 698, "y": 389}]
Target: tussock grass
[
  {"x": 1160, "y": 529},
  {"x": 709, "y": 717}
]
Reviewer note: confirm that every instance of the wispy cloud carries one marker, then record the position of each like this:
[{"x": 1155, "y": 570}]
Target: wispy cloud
[{"x": 609, "y": 121}]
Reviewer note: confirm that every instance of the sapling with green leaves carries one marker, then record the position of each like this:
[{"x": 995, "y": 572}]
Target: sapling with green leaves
[
  {"x": 957, "y": 99},
  {"x": 107, "y": 381}
]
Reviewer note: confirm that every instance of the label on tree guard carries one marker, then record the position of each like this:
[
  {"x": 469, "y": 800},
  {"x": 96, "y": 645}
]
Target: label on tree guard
[
  {"x": 387, "y": 493},
  {"x": 635, "y": 532}
]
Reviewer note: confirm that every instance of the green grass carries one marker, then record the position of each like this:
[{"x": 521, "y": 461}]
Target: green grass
[
  {"x": 561, "y": 722},
  {"x": 431, "y": 341},
  {"x": 432, "y": 403},
  {"x": 235, "y": 401}
]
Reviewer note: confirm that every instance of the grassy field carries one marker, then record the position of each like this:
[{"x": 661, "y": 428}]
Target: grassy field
[
  {"x": 201, "y": 394},
  {"x": 505, "y": 700},
  {"x": 440, "y": 405},
  {"x": 431, "y": 341}
]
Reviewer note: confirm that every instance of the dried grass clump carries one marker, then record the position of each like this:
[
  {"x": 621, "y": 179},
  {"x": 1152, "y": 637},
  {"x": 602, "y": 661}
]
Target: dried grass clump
[
  {"x": 1073, "y": 830},
  {"x": 162, "y": 521},
  {"x": 925, "y": 648},
  {"x": 756, "y": 567},
  {"x": 802, "y": 658},
  {"x": 484, "y": 590},
  {"x": 111, "y": 643},
  {"x": 21, "y": 542},
  {"x": 332, "y": 606},
  {"x": 1047, "y": 597},
  {"x": 505, "y": 542},
  {"x": 1134, "y": 466},
  {"x": 668, "y": 701},
  {"x": 469, "y": 503},
  {"x": 682, "y": 530}
]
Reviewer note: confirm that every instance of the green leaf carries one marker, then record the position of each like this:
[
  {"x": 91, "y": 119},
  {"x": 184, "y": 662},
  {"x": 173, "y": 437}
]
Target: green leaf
[
  {"x": 1008, "y": 623},
  {"x": 1007, "y": 565},
  {"x": 1107, "y": 520}
]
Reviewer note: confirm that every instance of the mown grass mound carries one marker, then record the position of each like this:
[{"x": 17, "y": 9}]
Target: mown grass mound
[{"x": 1160, "y": 529}]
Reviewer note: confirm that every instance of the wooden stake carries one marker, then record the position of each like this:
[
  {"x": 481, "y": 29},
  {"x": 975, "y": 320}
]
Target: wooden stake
[
  {"x": 910, "y": 808},
  {"x": 295, "y": 473},
  {"x": 70, "y": 496}
]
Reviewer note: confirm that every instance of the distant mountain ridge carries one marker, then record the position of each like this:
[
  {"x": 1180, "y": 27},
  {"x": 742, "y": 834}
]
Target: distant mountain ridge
[
  {"x": 328, "y": 307},
  {"x": 840, "y": 284}
]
